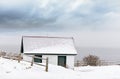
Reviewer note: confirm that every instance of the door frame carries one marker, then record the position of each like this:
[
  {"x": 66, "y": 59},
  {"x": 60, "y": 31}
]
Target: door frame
[{"x": 65, "y": 61}]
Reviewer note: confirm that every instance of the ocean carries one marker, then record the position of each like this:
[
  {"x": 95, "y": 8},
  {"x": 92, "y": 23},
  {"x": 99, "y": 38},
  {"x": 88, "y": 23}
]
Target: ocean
[{"x": 105, "y": 54}]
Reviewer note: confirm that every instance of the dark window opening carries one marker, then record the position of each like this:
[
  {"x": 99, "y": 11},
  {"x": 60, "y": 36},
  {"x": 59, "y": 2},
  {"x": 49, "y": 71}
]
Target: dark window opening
[
  {"x": 62, "y": 61},
  {"x": 38, "y": 60}
]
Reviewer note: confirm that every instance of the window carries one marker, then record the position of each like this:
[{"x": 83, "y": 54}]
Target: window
[{"x": 38, "y": 60}]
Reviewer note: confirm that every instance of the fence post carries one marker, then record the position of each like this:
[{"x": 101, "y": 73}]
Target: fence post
[
  {"x": 46, "y": 65},
  {"x": 77, "y": 63},
  {"x": 19, "y": 58},
  {"x": 32, "y": 61}
]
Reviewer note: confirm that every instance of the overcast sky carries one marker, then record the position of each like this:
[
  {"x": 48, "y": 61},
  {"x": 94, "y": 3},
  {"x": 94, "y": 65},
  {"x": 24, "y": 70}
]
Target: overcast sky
[{"x": 93, "y": 23}]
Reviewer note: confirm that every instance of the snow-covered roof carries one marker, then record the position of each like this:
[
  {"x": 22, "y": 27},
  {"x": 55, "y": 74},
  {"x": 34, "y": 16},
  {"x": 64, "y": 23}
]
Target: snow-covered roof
[{"x": 48, "y": 45}]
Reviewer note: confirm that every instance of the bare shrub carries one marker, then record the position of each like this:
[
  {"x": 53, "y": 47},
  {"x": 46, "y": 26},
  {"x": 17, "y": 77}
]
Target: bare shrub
[
  {"x": 2, "y": 53},
  {"x": 14, "y": 56},
  {"x": 91, "y": 60}
]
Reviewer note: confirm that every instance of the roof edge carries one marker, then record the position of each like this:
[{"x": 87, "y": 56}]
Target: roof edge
[
  {"x": 47, "y": 37},
  {"x": 46, "y": 54}
]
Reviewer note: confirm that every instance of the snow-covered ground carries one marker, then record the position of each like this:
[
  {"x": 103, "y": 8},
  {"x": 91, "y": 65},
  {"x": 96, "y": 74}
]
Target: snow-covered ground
[{"x": 11, "y": 69}]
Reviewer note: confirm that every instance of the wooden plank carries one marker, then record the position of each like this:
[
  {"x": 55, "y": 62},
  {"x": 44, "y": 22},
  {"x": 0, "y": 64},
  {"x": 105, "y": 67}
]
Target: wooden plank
[
  {"x": 40, "y": 64},
  {"x": 19, "y": 58},
  {"x": 39, "y": 58},
  {"x": 46, "y": 65},
  {"x": 32, "y": 61}
]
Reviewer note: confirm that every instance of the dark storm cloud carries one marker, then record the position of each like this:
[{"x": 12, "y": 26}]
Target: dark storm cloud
[
  {"x": 10, "y": 16},
  {"x": 55, "y": 15},
  {"x": 29, "y": 16}
]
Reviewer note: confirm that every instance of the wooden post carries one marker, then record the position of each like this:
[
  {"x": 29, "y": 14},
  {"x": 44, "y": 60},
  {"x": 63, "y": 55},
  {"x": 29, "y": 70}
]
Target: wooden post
[
  {"x": 46, "y": 65},
  {"x": 19, "y": 58},
  {"x": 32, "y": 61},
  {"x": 77, "y": 63}
]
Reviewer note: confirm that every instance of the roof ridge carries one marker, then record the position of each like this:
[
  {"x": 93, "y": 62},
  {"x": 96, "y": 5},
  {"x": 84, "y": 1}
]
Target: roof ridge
[{"x": 47, "y": 37}]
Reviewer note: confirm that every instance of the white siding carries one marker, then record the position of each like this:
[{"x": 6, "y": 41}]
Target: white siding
[
  {"x": 52, "y": 59},
  {"x": 70, "y": 61},
  {"x": 27, "y": 58}
]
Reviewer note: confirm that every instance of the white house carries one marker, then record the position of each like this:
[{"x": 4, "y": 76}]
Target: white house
[{"x": 60, "y": 50}]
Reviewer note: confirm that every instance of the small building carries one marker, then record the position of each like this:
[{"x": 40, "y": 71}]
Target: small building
[{"x": 60, "y": 50}]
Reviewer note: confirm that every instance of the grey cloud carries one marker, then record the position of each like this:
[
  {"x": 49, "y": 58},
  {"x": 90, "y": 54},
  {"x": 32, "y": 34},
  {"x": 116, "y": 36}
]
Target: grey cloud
[
  {"x": 88, "y": 16},
  {"x": 54, "y": 16},
  {"x": 31, "y": 16}
]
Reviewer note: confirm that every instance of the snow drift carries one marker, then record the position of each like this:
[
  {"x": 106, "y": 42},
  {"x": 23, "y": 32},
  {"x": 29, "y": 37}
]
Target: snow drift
[{"x": 11, "y": 69}]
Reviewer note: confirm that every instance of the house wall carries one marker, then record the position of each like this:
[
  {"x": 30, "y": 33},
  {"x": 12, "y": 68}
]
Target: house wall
[
  {"x": 27, "y": 58},
  {"x": 53, "y": 59},
  {"x": 70, "y": 61}
]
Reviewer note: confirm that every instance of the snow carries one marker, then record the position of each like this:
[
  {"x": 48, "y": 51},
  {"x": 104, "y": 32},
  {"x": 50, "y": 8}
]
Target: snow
[
  {"x": 11, "y": 69},
  {"x": 49, "y": 45},
  {"x": 56, "y": 49}
]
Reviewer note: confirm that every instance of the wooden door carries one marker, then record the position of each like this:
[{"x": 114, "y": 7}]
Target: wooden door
[{"x": 62, "y": 61}]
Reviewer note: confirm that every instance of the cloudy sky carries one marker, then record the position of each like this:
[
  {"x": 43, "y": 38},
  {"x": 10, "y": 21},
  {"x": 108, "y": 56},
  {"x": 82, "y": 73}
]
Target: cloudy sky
[{"x": 93, "y": 23}]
